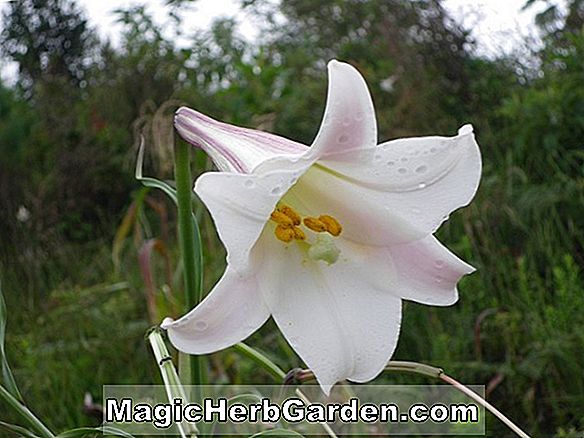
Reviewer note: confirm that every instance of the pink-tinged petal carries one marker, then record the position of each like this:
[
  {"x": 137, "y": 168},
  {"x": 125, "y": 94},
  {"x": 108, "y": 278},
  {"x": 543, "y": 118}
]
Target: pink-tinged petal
[
  {"x": 404, "y": 194},
  {"x": 232, "y": 148},
  {"x": 240, "y": 205},
  {"x": 365, "y": 215},
  {"x": 340, "y": 318},
  {"x": 428, "y": 272},
  {"x": 348, "y": 130},
  {"x": 230, "y": 313}
]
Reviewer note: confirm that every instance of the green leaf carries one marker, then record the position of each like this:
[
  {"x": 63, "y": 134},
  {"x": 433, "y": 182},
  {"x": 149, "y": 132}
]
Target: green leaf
[
  {"x": 152, "y": 182},
  {"x": 20, "y": 431},
  {"x": 84, "y": 431},
  {"x": 277, "y": 432},
  {"x": 7, "y": 377}
]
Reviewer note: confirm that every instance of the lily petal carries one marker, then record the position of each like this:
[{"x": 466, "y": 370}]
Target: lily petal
[
  {"x": 428, "y": 272},
  {"x": 408, "y": 190},
  {"x": 240, "y": 205},
  {"x": 348, "y": 130},
  {"x": 232, "y": 148},
  {"x": 339, "y": 318},
  {"x": 230, "y": 313}
]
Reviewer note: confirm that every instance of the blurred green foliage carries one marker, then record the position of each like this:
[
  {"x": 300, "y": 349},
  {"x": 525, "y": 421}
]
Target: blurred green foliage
[{"x": 68, "y": 136}]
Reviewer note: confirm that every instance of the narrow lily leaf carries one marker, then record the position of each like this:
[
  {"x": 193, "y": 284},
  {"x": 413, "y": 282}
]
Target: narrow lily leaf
[
  {"x": 152, "y": 182},
  {"x": 18, "y": 430},
  {"x": 84, "y": 431},
  {"x": 19, "y": 408},
  {"x": 7, "y": 377},
  {"x": 277, "y": 432}
]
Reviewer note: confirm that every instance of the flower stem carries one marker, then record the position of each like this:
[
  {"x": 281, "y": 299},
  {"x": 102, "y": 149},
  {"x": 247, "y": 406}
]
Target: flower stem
[
  {"x": 25, "y": 414},
  {"x": 300, "y": 376},
  {"x": 259, "y": 358},
  {"x": 477, "y": 398},
  {"x": 190, "y": 245},
  {"x": 276, "y": 372},
  {"x": 174, "y": 388}
]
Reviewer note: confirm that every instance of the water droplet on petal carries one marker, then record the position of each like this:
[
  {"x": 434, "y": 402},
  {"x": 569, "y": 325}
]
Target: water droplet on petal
[
  {"x": 248, "y": 183},
  {"x": 377, "y": 157},
  {"x": 390, "y": 163},
  {"x": 276, "y": 190},
  {"x": 422, "y": 185},
  {"x": 439, "y": 263},
  {"x": 201, "y": 326},
  {"x": 346, "y": 121},
  {"x": 404, "y": 159},
  {"x": 433, "y": 150},
  {"x": 402, "y": 170},
  {"x": 438, "y": 279},
  {"x": 343, "y": 138},
  {"x": 421, "y": 169}
]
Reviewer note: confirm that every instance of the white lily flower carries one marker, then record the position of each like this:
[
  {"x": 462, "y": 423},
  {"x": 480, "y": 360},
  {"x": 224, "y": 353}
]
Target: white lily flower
[{"x": 327, "y": 239}]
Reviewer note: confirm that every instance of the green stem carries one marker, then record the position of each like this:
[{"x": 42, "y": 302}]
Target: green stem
[
  {"x": 304, "y": 376},
  {"x": 190, "y": 244},
  {"x": 25, "y": 414},
  {"x": 172, "y": 383},
  {"x": 259, "y": 358},
  {"x": 276, "y": 372},
  {"x": 492, "y": 409}
]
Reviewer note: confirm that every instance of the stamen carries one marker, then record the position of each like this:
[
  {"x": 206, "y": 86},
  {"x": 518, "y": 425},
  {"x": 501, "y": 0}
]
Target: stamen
[
  {"x": 289, "y": 211},
  {"x": 332, "y": 225},
  {"x": 281, "y": 219},
  {"x": 285, "y": 234},
  {"x": 287, "y": 229},
  {"x": 315, "y": 224},
  {"x": 299, "y": 234}
]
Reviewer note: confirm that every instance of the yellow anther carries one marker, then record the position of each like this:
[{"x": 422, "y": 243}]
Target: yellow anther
[
  {"x": 285, "y": 234},
  {"x": 299, "y": 234},
  {"x": 332, "y": 225},
  {"x": 289, "y": 211},
  {"x": 315, "y": 224},
  {"x": 281, "y": 219}
]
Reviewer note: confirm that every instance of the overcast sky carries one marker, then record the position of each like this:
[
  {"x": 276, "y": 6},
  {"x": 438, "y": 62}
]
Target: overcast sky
[{"x": 497, "y": 25}]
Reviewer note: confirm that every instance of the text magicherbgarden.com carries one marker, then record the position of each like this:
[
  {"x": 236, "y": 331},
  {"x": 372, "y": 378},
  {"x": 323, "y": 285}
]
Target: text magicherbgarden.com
[{"x": 291, "y": 410}]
